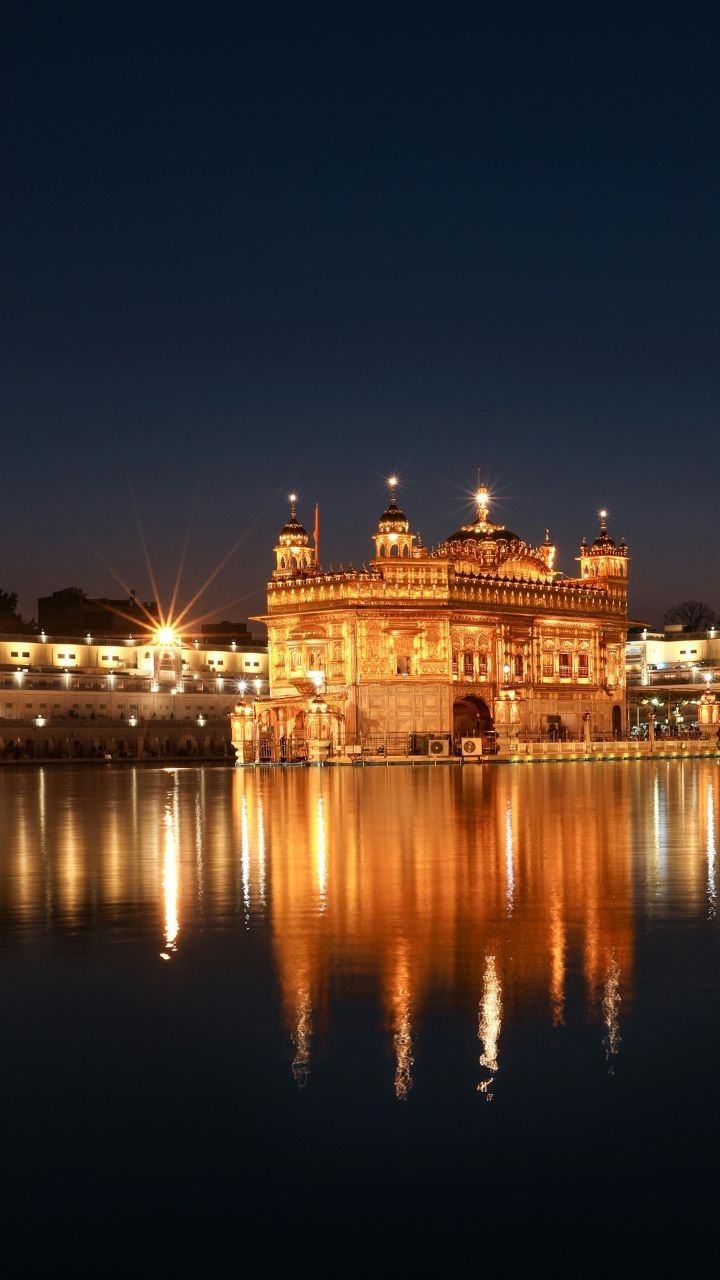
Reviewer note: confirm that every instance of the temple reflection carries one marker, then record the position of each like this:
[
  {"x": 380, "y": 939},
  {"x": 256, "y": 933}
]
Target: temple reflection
[{"x": 510, "y": 889}]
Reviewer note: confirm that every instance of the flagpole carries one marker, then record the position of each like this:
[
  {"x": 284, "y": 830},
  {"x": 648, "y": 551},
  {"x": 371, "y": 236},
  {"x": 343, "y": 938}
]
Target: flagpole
[{"x": 316, "y": 534}]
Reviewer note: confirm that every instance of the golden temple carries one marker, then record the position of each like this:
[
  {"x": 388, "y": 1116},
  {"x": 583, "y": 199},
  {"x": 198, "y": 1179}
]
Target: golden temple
[{"x": 456, "y": 649}]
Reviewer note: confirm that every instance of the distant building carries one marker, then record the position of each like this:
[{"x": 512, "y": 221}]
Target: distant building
[
  {"x": 672, "y": 675},
  {"x": 71, "y": 613},
  {"x": 170, "y": 693}
]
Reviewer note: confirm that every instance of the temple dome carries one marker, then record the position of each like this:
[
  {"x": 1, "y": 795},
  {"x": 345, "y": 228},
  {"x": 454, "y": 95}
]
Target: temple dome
[{"x": 292, "y": 531}]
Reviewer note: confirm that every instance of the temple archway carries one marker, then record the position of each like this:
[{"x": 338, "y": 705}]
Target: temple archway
[{"x": 471, "y": 717}]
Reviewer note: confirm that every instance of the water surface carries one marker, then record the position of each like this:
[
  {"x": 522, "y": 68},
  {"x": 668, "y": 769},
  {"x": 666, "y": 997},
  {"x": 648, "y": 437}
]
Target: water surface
[{"x": 405, "y": 1000}]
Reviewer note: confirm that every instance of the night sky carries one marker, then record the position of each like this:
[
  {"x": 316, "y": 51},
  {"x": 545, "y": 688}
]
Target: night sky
[{"x": 255, "y": 249}]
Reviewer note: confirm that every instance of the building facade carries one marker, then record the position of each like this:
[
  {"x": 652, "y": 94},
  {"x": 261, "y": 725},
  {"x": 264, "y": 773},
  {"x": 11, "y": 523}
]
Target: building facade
[
  {"x": 421, "y": 650},
  {"x": 672, "y": 678},
  {"x": 154, "y": 692}
]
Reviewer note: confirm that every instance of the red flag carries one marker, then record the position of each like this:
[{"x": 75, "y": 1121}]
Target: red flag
[{"x": 316, "y": 533}]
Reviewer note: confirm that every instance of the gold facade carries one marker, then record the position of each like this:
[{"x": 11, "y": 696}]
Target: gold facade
[{"x": 481, "y": 635}]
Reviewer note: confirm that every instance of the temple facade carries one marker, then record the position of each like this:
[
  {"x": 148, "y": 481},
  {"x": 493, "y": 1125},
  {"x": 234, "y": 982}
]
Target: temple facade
[{"x": 468, "y": 646}]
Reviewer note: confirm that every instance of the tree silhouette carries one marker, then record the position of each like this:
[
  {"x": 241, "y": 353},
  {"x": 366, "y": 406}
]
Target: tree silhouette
[
  {"x": 694, "y": 614},
  {"x": 10, "y": 620}
]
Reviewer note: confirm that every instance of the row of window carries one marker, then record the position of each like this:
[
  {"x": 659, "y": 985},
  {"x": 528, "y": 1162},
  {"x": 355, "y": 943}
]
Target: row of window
[
  {"x": 476, "y": 665},
  {"x": 249, "y": 664}
]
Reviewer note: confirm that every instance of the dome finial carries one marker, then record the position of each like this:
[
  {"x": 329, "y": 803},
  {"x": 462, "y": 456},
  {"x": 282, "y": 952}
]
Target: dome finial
[
  {"x": 293, "y": 511},
  {"x": 482, "y": 499},
  {"x": 392, "y": 483},
  {"x": 603, "y": 521}
]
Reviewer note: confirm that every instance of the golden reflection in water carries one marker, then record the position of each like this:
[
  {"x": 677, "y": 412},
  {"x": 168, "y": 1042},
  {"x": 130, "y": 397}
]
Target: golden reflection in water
[
  {"x": 489, "y": 1026},
  {"x": 170, "y": 880},
  {"x": 302, "y": 1036},
  {"x": 509, "y": 863},
  {"x": 321, "y": 853},
  {"x": 557, "y": 964},
  {"x": 199, "y": 809},
  {"x": 395, "y": 881},
  {"x": 658, "y": 826},
  {"x": 611, "y": 1010},
  {"x": 400, "y": 1005},
  {"x": 245, "y": 851},
  {"x": 711, "y": 852}
]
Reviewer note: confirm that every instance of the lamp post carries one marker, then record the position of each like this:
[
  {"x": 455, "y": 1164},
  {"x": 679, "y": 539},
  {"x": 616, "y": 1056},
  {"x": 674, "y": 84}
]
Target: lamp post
[{"x": 651, "y": 729}]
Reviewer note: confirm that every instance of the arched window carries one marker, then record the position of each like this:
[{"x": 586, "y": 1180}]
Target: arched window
[
  {"x": 482, "y": 664},
  {"x": 518, "y": 665}
]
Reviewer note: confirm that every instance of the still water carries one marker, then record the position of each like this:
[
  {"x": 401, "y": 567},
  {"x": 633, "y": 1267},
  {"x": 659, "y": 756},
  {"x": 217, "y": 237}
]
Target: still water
[{"x": 416, "y": 1000}]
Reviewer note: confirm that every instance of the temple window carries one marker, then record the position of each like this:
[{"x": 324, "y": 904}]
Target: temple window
[
  {"x": 518, "y": 664},
  {"x": 454, "y": 666},
  {"x": 548, "y": 666},
  {"x": 583, "y": 666},
  {"x": 482, "y": 664},
  {"x": 468, "y": 665},
  {"x": 565, "y": 666}
]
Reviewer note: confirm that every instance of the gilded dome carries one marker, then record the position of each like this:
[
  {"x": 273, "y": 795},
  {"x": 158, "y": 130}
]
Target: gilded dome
[
  {"x": 393, "y": 520},
  {"x": 293, "y": 533},
  {"x": 497, "y": 550},
  {"x": 603, "y": 544}
]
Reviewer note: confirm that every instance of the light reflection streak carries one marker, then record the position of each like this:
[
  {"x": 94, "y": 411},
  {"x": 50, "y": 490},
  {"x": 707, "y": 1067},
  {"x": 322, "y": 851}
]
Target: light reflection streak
[
  {"x": 658, "y": 826},
  {"x": 170, "y": 882},
  {"x": 711, "y": 854},
  {"x": 509, "y": 864},
  {"x": 261, "y": 856},
  {"x": 245, "y": 856},
  {"x": 199, "y": 847},
  {"x": 557, "y": 966},
  {"x": 489, "y": 1025},
  {"x": 302, "y": 1036},
  {"x": 611, "y": 1008},
  {"x": 321, "y": 853},
  {"x": 402, "y": 1041},
  {"x": 402, "y": 1022}
]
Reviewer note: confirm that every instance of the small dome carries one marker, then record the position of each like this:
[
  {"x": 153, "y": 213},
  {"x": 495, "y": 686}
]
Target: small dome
[
  {"x": 393, "y": 513},
  {"x": 603, "y": 544},
  {"x": 393, "y": 518},
  {"x": 293, "y": 531}
]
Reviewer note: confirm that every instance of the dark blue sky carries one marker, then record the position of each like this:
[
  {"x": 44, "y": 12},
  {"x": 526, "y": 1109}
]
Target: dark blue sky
[{"x": 251, "y": 249}]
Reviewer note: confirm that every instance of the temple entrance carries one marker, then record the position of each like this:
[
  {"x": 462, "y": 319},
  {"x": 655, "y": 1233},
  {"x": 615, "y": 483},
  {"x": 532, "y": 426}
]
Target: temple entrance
[
  {"x": 617, "y": 722},
  {"x": 472, "y": 718}
]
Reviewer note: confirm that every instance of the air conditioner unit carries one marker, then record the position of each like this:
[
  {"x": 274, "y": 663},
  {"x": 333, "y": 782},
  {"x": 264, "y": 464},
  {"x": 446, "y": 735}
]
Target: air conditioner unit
[
  {"x": 470, "y": 747},
  {"x": 438, "y": 747}
]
